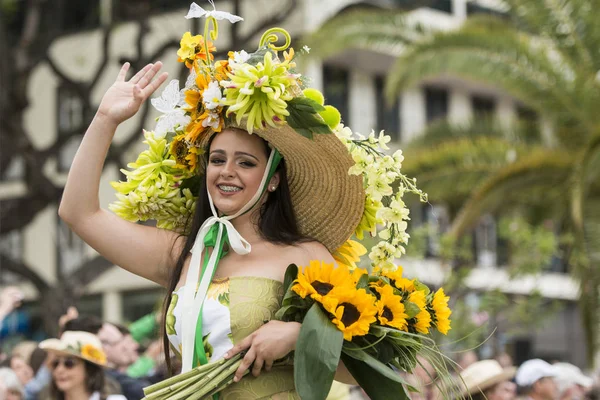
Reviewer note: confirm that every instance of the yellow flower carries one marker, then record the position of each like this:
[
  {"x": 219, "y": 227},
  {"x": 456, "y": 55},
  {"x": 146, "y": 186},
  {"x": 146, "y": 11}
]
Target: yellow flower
[
  {"x": 353, "y": 312},
  {"x": 93, "y": 353},
  {"x": 217, "y": 288},
  {"x": 319, "y": 279},
  {"x": 390, "y": 310},
  {"x": 192, "y": 48},
  {"x": 368, "y": 222},
  {"x": 349, "y": 253},
  {"x": 406, "y": 285},
  {"x": 423, "y": 318},
  {"x": 185, "y": 154},
  {"x": 396, "y": 279},
  {"x": 441, "y": 311}
]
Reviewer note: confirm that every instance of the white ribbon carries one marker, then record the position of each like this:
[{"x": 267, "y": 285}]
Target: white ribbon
[{"x": 193, "y": 299}]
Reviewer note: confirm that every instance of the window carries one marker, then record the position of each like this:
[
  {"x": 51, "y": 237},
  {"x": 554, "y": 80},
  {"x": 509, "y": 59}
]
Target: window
[
  {"x": 388, "y": 116},
  {"x": 436, "y": 103},
  {"x": 139, "y": 303},
  {"x": 335, "y": 88},
  {"x": 70, "y": 120},
  {"x": 485, "y": 242},
  {"x": 529, "y": 120},
  {"x": 70, "y": 251},
  {"x": 11, "y": 245},
  {"x": 483, "y": 107},
  {"x": 441, "y": 5}
]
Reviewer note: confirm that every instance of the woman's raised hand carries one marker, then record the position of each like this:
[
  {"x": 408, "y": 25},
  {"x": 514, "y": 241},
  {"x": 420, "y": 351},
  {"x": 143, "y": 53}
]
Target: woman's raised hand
[{"x": 124, "y": 98}]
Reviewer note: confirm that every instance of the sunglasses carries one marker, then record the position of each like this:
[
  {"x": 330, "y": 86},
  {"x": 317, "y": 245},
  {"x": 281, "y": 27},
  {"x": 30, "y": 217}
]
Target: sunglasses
[{"x": 67, "y": 362}]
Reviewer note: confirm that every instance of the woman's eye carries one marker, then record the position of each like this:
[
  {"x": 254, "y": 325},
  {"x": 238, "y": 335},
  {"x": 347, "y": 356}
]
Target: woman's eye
[
  {"x": 216, "y": 161},
  {"x": 248, "y": 164}
]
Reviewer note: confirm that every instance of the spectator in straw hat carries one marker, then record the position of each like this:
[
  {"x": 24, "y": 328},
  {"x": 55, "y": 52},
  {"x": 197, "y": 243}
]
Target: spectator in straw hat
[
  {"x": 572, "y": 383},
  {"x": 487, "y": 379},
  {"x": 536, "y": 380},
  {"x": 77, "y": 367}
]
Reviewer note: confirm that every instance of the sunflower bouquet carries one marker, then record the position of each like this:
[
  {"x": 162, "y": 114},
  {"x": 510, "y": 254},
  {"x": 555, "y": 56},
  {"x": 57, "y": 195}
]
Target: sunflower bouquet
[{"x": 376, "y": 324}]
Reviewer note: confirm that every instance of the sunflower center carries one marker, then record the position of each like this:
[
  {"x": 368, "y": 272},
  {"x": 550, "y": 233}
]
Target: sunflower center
[
  {"x": 387, "y": 313},
  {"x": 351, "y": 314},
  {"x": 321, "y": 287}
]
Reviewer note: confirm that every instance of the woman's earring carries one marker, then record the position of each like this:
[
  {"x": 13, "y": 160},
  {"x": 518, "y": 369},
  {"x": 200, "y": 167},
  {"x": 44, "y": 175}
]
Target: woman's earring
[{"x": 272, "y": 188}]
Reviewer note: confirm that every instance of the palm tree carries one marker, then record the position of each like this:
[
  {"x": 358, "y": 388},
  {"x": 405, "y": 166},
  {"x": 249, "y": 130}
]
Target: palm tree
[{"x": 545, "y": 53}]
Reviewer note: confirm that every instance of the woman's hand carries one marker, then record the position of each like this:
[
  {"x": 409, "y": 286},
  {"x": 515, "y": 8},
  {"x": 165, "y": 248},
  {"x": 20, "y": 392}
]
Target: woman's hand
[
  {"x": 124, "y": 98},
  {"x": 272, "y": 341}
]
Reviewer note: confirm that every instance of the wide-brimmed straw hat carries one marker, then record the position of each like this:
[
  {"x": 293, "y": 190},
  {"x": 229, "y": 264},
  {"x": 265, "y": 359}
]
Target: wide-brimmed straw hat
[
  {"x": 482, "y": 375},
  {"x": 328, "y": 202},
  {"x": 83, "y": 345}
]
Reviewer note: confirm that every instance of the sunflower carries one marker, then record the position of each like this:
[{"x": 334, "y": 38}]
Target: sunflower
[
  {"x": 185, "y": 155},
  {"x": 441, "y": 311},
  {"x": 93, "y": 353},
  {"x": 353, "y": 312},
  {"x": 349, "y": 253},
  {"x": 218, "y": 287},
  {"x": 390, "y": 310},
  {"x": 319, "y": 279},
  {"x": 423, "y": 318}
]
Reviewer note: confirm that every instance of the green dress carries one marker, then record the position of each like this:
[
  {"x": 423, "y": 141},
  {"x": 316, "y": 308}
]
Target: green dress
[{"x": 233, "y": 309}]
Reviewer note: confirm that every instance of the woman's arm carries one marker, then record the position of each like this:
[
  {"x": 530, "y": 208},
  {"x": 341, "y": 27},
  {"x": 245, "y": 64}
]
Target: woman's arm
[{"x": 143, "y": 250}]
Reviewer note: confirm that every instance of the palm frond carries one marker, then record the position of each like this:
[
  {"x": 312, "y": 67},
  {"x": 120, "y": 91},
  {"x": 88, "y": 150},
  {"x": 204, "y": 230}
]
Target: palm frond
[
  {"x": 538, "y": 169},
  {"x": 386, "y": 31}
]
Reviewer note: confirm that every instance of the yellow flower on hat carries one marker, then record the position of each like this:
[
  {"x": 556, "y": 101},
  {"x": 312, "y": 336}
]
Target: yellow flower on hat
[
  {"x": 390, "y": 310},
  {"x": 423, "y": 318},
  {"x": 441, "y": 311},
  {"x": 192, "y": 48},
  {"x": 319, "y": 279},
  {"x": 353, "y": 312},
  {"x": 349, "y": 253},
  {"x": 93, "y": 353},
  {"x": 368, "y": 222}
]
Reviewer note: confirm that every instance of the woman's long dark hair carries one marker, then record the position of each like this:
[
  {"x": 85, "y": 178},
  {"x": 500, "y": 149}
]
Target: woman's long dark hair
[
  {"x": 276, "y": 224},
  {"x": 94, "y": 382}
]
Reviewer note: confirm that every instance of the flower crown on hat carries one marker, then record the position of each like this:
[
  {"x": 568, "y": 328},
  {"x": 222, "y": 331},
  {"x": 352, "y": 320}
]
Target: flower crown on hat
[{"x": 254, "y": 90}]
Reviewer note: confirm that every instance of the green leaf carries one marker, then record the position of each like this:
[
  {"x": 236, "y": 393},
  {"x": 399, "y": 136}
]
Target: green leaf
[
  {"x": 304, "y": 117},
  {"x": 377, "y": 386},
  {"x": 411, "y": 309},
  {"x": 422, "y": 287},
  {"x": 291, "y": 273},
  {"x": 352, "y": 351},
  {"x": 363, "y": 282},
  {"x": 321, "y": 344}
]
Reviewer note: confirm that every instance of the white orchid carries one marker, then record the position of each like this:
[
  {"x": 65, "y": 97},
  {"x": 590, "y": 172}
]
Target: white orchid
[
  {"x": 169, "y": 104},
  {"x": 198, "y": 12},
  {"x": 239, "y": 57}
]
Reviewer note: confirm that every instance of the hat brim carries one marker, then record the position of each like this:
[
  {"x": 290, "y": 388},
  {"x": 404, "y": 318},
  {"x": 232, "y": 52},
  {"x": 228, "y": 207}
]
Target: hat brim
[
  {"x": 507, "y": 374},
  {"x": 327, "y": 201},
  {"x": 58, "y": 347}
]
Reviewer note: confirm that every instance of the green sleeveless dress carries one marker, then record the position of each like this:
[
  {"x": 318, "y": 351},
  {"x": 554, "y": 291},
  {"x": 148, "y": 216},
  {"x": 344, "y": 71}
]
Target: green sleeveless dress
[{"x": 233, "y": 309}]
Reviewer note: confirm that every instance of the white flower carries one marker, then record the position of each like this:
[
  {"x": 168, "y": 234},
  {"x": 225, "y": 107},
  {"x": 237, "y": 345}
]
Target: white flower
[
  {"x": 169, "y": 104},
  {"x": 362, "y": 160},
  {"x": 395, "y": 213},
  {"x": 198, "y": 12},
  {"x": 306, "y": 49},
  {"x": 239, "y": 58},
  {"x": 212, "y": 120},
  {"x": 212, "y": 95},
  {"x": 343, "y": 132},
  {"x": 398, "y": 157},
  {"x": 383, "y": 139},
  {"x": 378, "y": 188}
]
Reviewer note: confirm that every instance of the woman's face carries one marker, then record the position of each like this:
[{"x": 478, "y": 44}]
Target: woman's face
[
  {"x": 502, "y": 391},
  {"x": 22, "y": 369},
  {"x": 236, "y": 164},
  {"x": 68, "y": 373}
]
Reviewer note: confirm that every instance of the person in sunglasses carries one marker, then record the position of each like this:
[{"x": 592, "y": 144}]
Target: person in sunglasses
[{"x": 77, "y": 367}]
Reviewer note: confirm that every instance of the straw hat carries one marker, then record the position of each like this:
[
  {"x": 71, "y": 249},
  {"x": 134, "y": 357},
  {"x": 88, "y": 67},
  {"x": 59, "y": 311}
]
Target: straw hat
[
  {"x": 327, "y": 201},
  {"x": 483, "y": 375},
  {"x": 79, "y": 344}
]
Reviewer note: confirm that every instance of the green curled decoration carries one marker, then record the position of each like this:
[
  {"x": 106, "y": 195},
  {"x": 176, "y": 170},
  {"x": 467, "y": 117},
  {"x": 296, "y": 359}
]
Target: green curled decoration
[
  {"x": 270, "y": 37},
  {"x": 214, "y": 33}
]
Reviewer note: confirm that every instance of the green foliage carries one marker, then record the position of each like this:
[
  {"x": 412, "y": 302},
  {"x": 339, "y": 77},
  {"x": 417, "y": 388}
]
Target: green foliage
[{"x": 304, "y": 117}]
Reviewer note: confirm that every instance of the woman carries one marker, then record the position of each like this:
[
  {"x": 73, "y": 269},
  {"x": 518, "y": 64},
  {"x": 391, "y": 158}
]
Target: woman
[
  {"x": 278, "y": 196},
  {"x": 487, "y": 379},
  {"x": 76, "y": 366}
]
